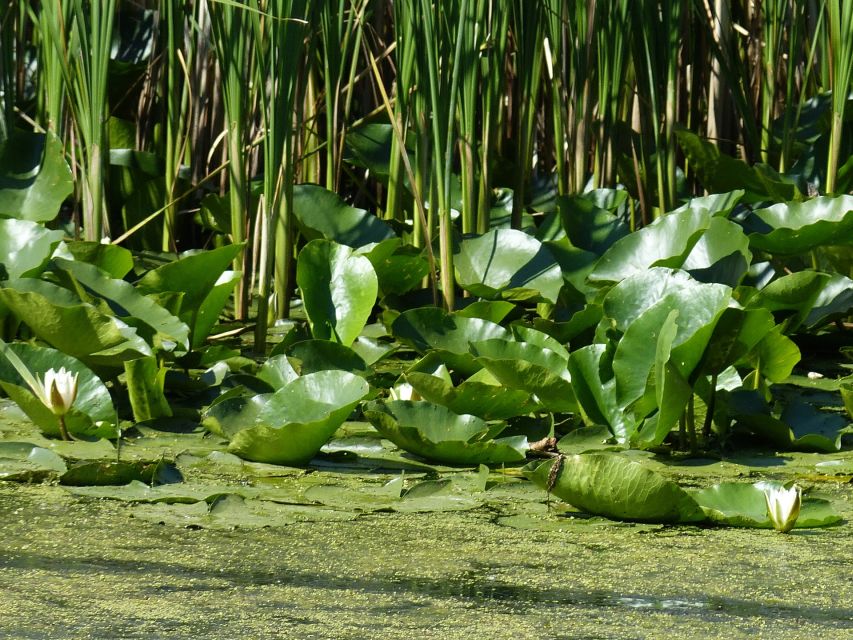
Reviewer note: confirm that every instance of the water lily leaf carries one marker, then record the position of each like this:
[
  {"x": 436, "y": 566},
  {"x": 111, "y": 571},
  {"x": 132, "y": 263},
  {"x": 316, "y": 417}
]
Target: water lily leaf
[
  {"x": 145, "y": 380},
  {"x": 508, "y": 264},
  {"x": 484, "y": 400},
  {"x": 196, "y": 275},
  {"x": 231, "y": 414},
  {"x": 834, "y": 300},
  {"x": 321, "y": 213},
  {"x": 169, "y": 332},
  {"x": 25, "y": 248},
  {"x": 437, "y": 433},
  {"x": 775, "y": 356},
  {"x": 49, "y": 310},
  {"x": 112, "y": 472},
  {"x": 492, "y": 310},
  {"x": 338, "y": 289},
  {"x": 616, "y": 487},
  {"x": 593, "y": 438},
  {"x": 448, "y": 334},
  {"x": 597, "y": 396},
  {"x": 34, "y": 176},
  {"x": 814, "y": 430},
  {"x": 399, "y": 267},
  {"x": 277, "y": 371},
  {"x": 231, "y": 511},
  {"x": 111, "y": 258},
  {"x": 590, "y": 226},
  {"x": 423, "y": 497},
  {"x": 26, "y": 462},
  {"x": 533, "y": 336},
  {"x": 721, "y": 254},
  {"x": 91, "y": 415},
  {"x": 791, "y": 297},
  {"x": 529, "y": 367},
  {"x": 796, "y": 227},
  {"x": 743, "y": 505},
  {"x": 211, "y": 308},
  {"x": 322, "y": 355},
  {"x": 136, "y": 491},
  {"x": 298, "y": 419},
  {"x": 667, "y": 242}
]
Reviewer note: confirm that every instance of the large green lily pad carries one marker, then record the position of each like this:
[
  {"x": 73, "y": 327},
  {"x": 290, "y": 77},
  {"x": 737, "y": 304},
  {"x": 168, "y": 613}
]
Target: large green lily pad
[
  {"x": 743, "y": 505},
  {"x": 508, "y": 264},
  {"x": 797, "y": 227},
  {"x": 436, "y": 433},
  {"x": 298, "y": 419},
  {"x": 611, "y": 485}
]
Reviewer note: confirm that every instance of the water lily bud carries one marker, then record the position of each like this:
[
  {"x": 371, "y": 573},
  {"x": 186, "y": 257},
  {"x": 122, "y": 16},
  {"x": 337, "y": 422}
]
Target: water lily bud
[
  {"x": 59, "y": 390},
  {"x": 783, "y": 506}
]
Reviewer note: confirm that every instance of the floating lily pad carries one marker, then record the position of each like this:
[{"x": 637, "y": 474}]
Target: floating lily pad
[
  {"x": 427, "y": 496},
  {"x": 488, "y": 401},
  {"x": 231, "y": 511},
  {"x": 744, "y": 505},
  {"x": 436, "y": 433},
  {"x": 26, "y": 462},
  {"x": 25, "y": 248},
  {"x": 614, "y": 486}
]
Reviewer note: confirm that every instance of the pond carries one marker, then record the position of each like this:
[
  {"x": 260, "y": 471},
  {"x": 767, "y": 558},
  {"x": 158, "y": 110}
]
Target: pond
[{"x": 265, "y": 562}]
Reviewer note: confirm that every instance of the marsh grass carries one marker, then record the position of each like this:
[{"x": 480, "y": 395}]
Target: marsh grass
[{"x": 481, "y": 94}]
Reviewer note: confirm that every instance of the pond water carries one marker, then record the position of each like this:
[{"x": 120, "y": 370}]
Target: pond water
[{"x": 76, "y": 566}]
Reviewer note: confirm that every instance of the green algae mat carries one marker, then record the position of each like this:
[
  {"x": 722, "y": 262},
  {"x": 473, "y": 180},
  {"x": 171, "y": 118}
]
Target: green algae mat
[{"x": 178, "y": 539}]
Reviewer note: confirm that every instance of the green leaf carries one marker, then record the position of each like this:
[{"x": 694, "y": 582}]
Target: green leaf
[
  {"x": 321, "y": 214},
  {"x": 437, "y": 433},
  {"x": 743, "y": 505},
  {"x": 145, "y": 382},
  {"x": 322, "y": 355},
  {"x": 196, "y": 275},
  {"x": 484, "y": 400},
  {"x": 25, "y": 462},
  {"x": 529, "y": 367},
  {"x": 91, "y": 415},
  {"x": 298, "y": 419},
  {"x": 277, "y": 371},
  {"x": 616, "y": 487},
  {"x": 794, "y": 295},
  {"x": 797, "y": 227},
  {"x": 25, "y": 248},
  {"x": 211, "y": 308},
  {"x": 597, "y": 395},
  {"x": 169, "y": 333},
  {"x": 589, "y": 226},
  {"x": 399, "y": 267},
  {"x": 338, "y": 289},
  {"x": 448, "y": 334},
  {"x": 34, "y": 176},
  {"x": 115, "y": 260},
  {"x": 508, "y": 264},
  {"x": 667, "y": 242},
  {"x": 49, "y": 310},
  {"x": 775, "y": 356}
]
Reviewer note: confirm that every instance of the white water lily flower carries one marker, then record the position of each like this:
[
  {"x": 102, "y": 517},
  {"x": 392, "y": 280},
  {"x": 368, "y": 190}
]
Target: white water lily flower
[
  {"x": 783, "y": 506},
  {"x": 58, "y": 391}
]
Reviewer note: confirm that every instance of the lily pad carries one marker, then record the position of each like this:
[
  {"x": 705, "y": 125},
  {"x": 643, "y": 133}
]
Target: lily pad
[
  {"x": 321, "y": 213},
  {"x": 510, "y": 265},
  {"x": 450, "y": 335},
  {"x": 489, "y": 401},
  {"x": 298, "y": 419},
  {"x": 338, "y": 288},
  {"x": 26, "y": 462},
  {"x": 743, "y": 505},
  {"x": 25, "y": 248},
  {"x": 34, "y": 176},
  {"x": 796, "y": 227},
  {"x": 97, "y": 339},
  {"x": 616, "y": 487},
  {"x": 436, "y": 433},
  {"x": 427, "y": 496}
]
